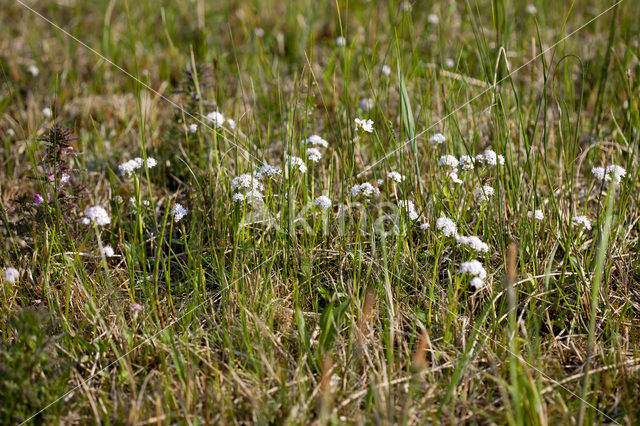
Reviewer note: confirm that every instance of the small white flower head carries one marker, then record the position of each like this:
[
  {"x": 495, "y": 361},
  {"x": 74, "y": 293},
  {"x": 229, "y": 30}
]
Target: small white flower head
[
  {"x": 409, "y": 207},
  {"x": 237, "y": 197},
  {"x": 127, "y": 168},
  {"x": 449, "y": 63},
  {"x": 367, "y": 104},
  {"x": 447, "y": 226},
  {"x": 365, "y": 125},
  {"x": 474, "y": 243},
  {"x": 582, "y": 221},
  {"x": 215, "y": 118},
  {"x": 316, "y": 140},
  {"x": 107, "y": 251},
  {"x": 259, "y": 32},
  {"x": 477, "y": 283},
  {"x": 151, "y": 162},
  {"x": 490, "y": 157},
  {"x": 268, "y": 171},
  {"x": 366, "y": 189},
  {"x": 46, "y": 112},
  {"x": 424, "y": 226},
  {"x": 323, "y": 202},
  {"x": 65, "y": 178},
  {"x": 10, "y": 275},
  {"x": 178, "y": 212},
  {"x": 193, "y": 128},
  {"x": 118, "y": 199},
  {"x": 437, "y": 139},
  {"x": 386, "y": 70},
  {"x": 11, "y": 132},
  {"x": 380, "y": 182},
  {"x": 246, "y": 181},
  {"x": 433, "y": 19},
  {"x": 314, "y": 154},
  {"x": 466, "y": 162},
  {"x": 341, "y": 41},
  {"x": 448, "y": 160},
  {"x": 501, "y": 159},
  {"x": 453, "y": 175},
  {"x": 536, "y": 214},
  {"x": 136, "y": 307},
  {"x": 231, "y": 123},
  {"x": 395, "y": 176},
  {"x": 295, "y": 163},
  {"x": 483, "y": 193},
  {"x": 475, "y": 268},
  {"x": 615, "y": 173},
  {"x": 531, "y": 9},
  {"x": 97, "y": 215},
  {"x": 598, "y": 173},
  {"x": 33, "y": 70}
]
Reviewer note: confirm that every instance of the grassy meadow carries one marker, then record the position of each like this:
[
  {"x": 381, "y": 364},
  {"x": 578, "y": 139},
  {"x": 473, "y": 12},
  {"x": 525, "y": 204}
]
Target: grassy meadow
[{"x": 307, "y": 212}]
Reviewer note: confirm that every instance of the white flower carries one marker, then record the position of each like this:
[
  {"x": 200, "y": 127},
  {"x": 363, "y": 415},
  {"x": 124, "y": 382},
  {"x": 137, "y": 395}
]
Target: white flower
[
  {"x": 395, "y": 176},
  {"x": 178, "y": 212},
  {"x": 449, "y": 63},
  {"x": 47, "y": 112},
  {"x": 477, "y": 283},
  {"x": 65, "y": 178},
  {"x": 466, "y": 162},
  {"x": 323, "y": 201},
  {"x": 341, "y": 41},
  {"x": 473, "y": 242},
  {"x": 386, "y": 70},
  {"x": 231, "y": 123},
  {"x": 531, "y": 9},
  {"x": 293, "y": 163},
  {"x": 146, "y": 203},
  {"x": 254, "y": 194},
  {"x": 598, "y": 173},
  {"x": 446, "y": 226},
  {"x": 367, "y": 104},
  {"x": 268, "y": 171},
  {"x": 409, "y": 207},
  {"x": 127, "y": 168},
  {"x": 582, "y": 220},
  {"x": 475, "y": 268},
  {"x": 193, "y": 128},
  {"x": 433, "y": 19},
  {"x": 11, "y": 132},
  {"x": 215, "y": 118},
  {"x": 616, "y": 173},
  {"x": 107, "y": 251},
  {"x": 246, "y": 181},
  {"x": 366, "y": 189},
  {"x": 11, "y": 275},
  {"x": 313, "y": 154},
  {"x": 237, "y": 197},
  {"x": 537, "y": 215},
  {"x": 483, "y": 193},
  {"x": 366, "y": 125},
  {"x": 453, "y": 175},
  {"x": 490, "y": 157},
  {"x": 424, "y": 226},
  {"x": 33, "y": 70},
  {"x": 437, "y": 139},
  {"x": 151, "y": 162},
  {"x": 259, "y": 32},
  {"x": 97, "y": 215},
  {"x": 315, "y": 140},
  {"x": 448, "y": 160},
  {"x": 380, "y": 182},
  {"x": 501, "y": 159}
]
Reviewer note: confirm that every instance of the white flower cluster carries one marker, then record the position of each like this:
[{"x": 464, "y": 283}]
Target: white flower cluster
[
  {"x": 447, "y": 227},
  {"x": 475, "y": 268},
  {"x": 293, "y": 163},
  {"x": 537, "y": 215},
  {"x": 366, "y": 189},
  {"x": 323, "y": 202},
  {"x": 11, "y": 275},
  {"x": 582, "y": 220},
  {"x": 437, "y": 139},
  {"x": 97, "y": 215},
  {"x": 313, "y": 154},
  {"x": 107, "y": 251},
  {"x": 490, "y": 158},
  {"x": 474, "y": 243},
  {"x": 268, "y": 171},
  {"x": 409, "y": 207},
  {"x": 127, "y": 168},
  {"x": 178, "y": 212},
  {"x": 316, "y": 140},
  {"x": 395, "y": 176},
  {"x": 613, "y": 172},
  {"x": 365, "y": 125},
  {"x": 483, "y": 193},
  {"x": 466, "y": 162},
  {"x": 216, "y": 119},
  {"x": 246, "y": 181}
]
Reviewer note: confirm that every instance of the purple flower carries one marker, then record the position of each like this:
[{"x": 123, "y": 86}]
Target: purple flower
[{"x": 38, "y": 199}]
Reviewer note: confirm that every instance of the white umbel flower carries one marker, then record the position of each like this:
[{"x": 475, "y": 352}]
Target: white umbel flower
[
  {"x": 237, "y": 197},
  {"x": 424, "y": 226},
  {"x": 386, "y": 70},
  {"x": 231, "y": 123},
  {"x": 437, "y": 139},
  {"x": 215, "y": 118},
  {"x": 615, "y": 173},
  {"x": 536, "y": 214},
  {"x": 314, "y": 154},
  {"x": 483, "y": 193},
  {"x": 178, "y": 212},
  {"x": 582, "y": 221},
  {"x": 151, "y": 162},
  {"x": 97, "y": 215},
  {"x": 409, "y": 207},
  {"x": 598, "y": 173},
  {"x": 323, "y": 202},
  {"x": 46, "y": 112},
  {"x": 433, "y": 19},
  {"x": 316, "y": 140},
  {"x": 193, "y": 128},
  {"x": 366, "y": 189},
  {"x": 453, "y": 175},
  {"x": 474, "y": 268},
  {"x": 33, "y": 70},
  {"x": 365, "y": 125},
  {"x": 341, "y": 41},
  {"x": 395, "y": 176},
  {"x": 268, "y": 171},
  {"x": 246, "y": 181},
  {"x": 107, "y": 251},
  {"x": 473, "y": 242},
  {"x": 448, "y": 160},
  {"x": 10, "y": 275},
  {"x": 294, "y": 163},
  {"x": 447, "y": 226},
  {"x": 466, "y": 162}
]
